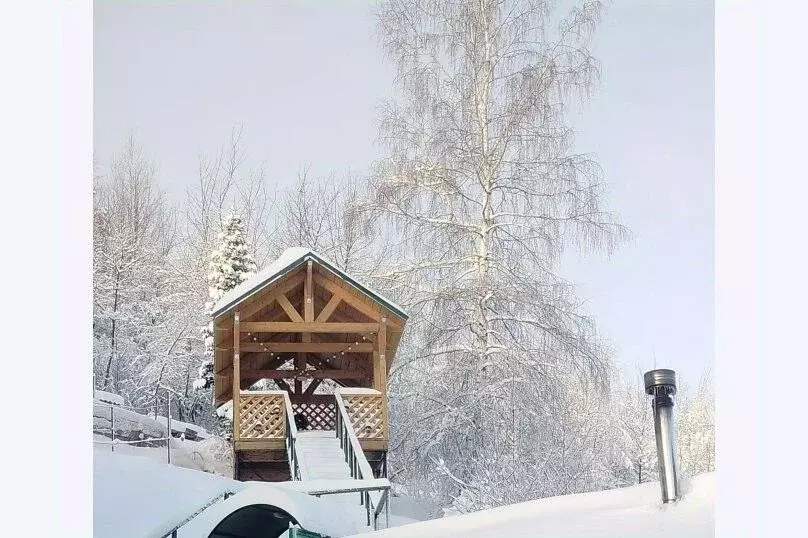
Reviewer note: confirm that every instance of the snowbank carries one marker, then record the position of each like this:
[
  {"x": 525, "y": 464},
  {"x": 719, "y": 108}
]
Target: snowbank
[
  {"x": 322, "y": 516},
  {"x": 178, "y": 426},
  {"x": 141, "y": 498},
  {"x": 629, "y": 512},
  {"x": 212, "y": 455},
  {"x": 128, "y": 424},
  {"x": 108, "y": 397},
  {"x": 138, "y": 497}
]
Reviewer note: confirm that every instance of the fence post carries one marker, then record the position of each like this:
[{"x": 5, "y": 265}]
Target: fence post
[
  {"x": 168, "y": 427},
  {"x": 112, "y": 425}
]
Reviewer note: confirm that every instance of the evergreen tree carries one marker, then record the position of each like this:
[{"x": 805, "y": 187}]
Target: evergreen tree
[{"x": 231, "y": 263}]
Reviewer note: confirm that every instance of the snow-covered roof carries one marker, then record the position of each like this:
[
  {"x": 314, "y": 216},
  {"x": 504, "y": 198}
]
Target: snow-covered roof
[{"x": 287, "y": 262}]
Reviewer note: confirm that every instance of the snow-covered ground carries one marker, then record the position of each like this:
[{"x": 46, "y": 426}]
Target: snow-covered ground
[
  {"x": 133, "y": 432},
  {"x": 143, "y": 496},
  {"x": 139, "y": 497},
  {"x": 628, "y": 512}
]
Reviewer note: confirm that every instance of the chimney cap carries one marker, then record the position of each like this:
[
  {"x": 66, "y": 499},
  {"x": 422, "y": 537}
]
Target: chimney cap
[{"x": 660, "y": 378}]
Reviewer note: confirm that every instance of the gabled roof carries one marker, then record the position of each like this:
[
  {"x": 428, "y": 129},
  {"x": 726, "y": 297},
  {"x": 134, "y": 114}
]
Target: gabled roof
[{"x": 291, "y": 259}]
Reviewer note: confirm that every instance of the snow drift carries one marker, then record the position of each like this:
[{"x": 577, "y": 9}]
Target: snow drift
[{"x": 628, "y": 512}]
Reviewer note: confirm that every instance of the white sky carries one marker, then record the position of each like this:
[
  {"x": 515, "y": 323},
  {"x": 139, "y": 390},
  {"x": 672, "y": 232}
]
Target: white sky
[{"x": 304, "y": 78}]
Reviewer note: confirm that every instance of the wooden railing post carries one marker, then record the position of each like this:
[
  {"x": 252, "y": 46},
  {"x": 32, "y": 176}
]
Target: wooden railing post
[{"x": 236, "y": 375}]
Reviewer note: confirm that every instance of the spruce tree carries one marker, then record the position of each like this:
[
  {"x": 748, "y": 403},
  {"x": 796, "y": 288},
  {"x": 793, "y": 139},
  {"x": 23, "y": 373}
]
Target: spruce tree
[{"x": 230, "y": 264}]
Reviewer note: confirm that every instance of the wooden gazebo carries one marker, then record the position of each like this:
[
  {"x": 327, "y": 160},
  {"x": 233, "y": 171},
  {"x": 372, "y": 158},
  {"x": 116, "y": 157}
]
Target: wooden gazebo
[{"x": 297, "y": 323}]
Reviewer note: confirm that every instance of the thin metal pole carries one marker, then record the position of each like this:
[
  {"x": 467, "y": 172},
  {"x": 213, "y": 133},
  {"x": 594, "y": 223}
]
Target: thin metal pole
[
  {"x": 112, "y": 426},
  {"x": 168, "y": 427}
]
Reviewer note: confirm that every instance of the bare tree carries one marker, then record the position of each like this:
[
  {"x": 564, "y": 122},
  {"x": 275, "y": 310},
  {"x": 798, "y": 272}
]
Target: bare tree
[
  {"x": 222, "y": 185},
  {"x": 483, "y": 188},
  {"x": 134, "y": 234},
  {"x": 323, "y": 214}
]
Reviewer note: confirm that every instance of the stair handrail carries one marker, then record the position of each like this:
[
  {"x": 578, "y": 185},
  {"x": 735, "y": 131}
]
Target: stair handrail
[
  {"x": 374, "y": 502},
  {"x": 291, "y": 438}
]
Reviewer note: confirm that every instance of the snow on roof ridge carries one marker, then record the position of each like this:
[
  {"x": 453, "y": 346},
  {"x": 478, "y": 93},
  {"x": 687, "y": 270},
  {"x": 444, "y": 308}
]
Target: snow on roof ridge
[{"x": 291, "y": 256}]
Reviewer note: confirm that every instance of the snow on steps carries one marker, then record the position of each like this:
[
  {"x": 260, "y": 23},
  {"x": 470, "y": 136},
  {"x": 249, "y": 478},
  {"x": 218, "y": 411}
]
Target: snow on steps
[
  {"x": 322, "y": 460},
  {"x": 320, "y": 456}
]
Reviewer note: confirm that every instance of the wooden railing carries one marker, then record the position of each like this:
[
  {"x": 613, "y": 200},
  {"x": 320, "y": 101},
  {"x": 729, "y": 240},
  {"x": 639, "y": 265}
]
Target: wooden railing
[
  {"x": 291, "y": 439},
  {"x": 266, "y": 420},
  {"x": 261, "y": 416},
  {"x": 367, "y": 410},
  {"x": 373, "y": 501}
]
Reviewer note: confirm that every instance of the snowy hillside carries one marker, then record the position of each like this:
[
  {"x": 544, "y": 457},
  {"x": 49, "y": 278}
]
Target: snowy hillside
[
  {"x": 145, "y": 435},
  {"x": 137, "y": 497},
  {"x": 629, "y": 512}
]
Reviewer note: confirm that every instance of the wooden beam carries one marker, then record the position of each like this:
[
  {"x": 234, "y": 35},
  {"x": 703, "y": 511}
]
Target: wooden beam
[
  {"x": 308, "y": 315},
  {"x": 307, "y": 347},
  {"x": 283, "y": 385},
  {"x": 308, "y": 295},
  {"x": 236, "y": 374},
  {"x": 312, "y": 398},
  {"x": 288, "y": 308},
  {"x": 308, "y": 327},
  {"x": 313, "y": 386},
  {"x": 310, "y": 374},
  {"x": 258, "y": 305},
  {"x": 354, "y": 301},
  {"x": 380, "y": 374},
  {"x": 349, "y": 298},
  {"x": 329, "y": 308}
]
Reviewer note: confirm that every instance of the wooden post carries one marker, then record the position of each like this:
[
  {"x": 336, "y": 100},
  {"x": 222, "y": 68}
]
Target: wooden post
[
  {"x": 308, "y": 295},
  {"x": 236, "y": 375},
  {"x": 308, "y": 315},
  {"x": 380, "y": 372}
]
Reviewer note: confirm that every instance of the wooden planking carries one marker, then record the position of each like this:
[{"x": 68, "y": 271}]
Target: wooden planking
[
  {"x": 306, "y": 347},
  {"x": 263, "y": 444},
  {"x": 312, "y": 398},
  {"x": 288, "y": 308},
  {"x": 308, "y": 327},
  {"x": 373, "y": 444}
]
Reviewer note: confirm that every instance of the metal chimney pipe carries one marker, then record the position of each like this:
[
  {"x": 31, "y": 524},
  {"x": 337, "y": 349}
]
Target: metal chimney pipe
[{"x": 661, "y": 384}]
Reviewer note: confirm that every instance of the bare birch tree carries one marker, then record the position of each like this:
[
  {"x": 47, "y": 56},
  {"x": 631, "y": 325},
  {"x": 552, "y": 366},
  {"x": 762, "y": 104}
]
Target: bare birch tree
[{"x": 483, "y": 187}]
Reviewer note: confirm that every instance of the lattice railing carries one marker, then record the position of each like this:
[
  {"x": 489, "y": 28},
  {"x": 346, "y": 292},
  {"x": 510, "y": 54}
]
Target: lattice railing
[
  {"x": 262, "y": 415},
  {"x": 366, "y": 410},
  {"x": 319, "y": 416}
]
